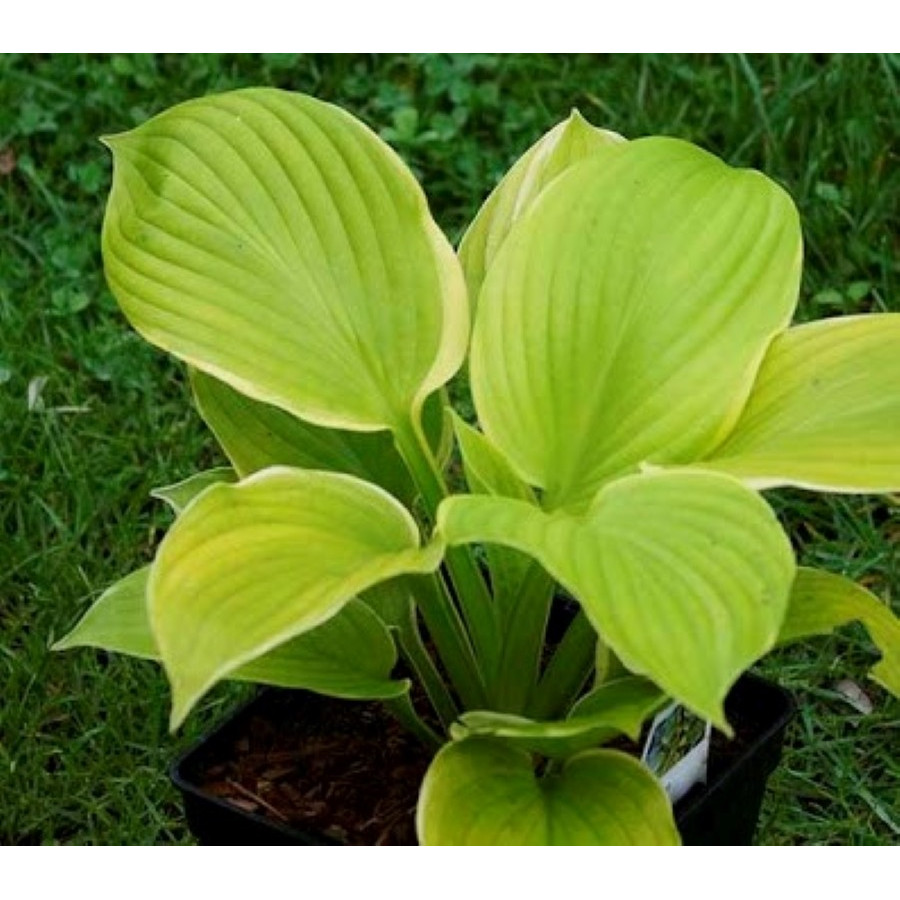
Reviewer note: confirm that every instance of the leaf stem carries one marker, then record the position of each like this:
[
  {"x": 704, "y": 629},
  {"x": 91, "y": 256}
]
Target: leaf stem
[
  {"x": 470, "y": 589},
  {"x": 524, "y": 623},
  {"x": 568, "y": 670},
  {"x": 401, "y": 707},
  {"x": 449, "y": 635},
  {"x": 417, "y": 656}
]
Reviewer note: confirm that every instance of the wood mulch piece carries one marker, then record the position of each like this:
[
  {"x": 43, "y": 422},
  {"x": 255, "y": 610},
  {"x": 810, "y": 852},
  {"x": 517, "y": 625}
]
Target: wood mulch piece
[{"x": 344, "y": 769}]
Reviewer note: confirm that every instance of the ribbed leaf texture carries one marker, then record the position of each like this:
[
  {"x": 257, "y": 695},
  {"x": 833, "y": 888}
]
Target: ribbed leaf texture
[
  {"x": 685, "y": 575},
  {"x": 248, "y": 566},
  {"x": 565, "y": 145},
  {"x": 627, "y": 313},
  {"x": 351, "y": 655},
  {"x": 824, "y": 412},
  {"x": 274, "y": 241},
  {"x": 483, "y": 792}
]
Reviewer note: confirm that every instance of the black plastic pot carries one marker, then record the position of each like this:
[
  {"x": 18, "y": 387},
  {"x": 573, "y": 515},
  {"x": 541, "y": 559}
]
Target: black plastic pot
[{"x": 723, "y": 812}]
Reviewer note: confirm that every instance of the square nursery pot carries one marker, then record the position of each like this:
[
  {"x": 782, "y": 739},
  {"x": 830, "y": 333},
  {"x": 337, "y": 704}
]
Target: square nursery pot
[{"x": 356, "y": 773}]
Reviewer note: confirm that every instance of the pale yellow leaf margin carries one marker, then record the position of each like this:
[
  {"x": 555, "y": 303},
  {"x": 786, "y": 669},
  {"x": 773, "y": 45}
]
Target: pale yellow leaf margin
[{"x": 822, "y": 601}]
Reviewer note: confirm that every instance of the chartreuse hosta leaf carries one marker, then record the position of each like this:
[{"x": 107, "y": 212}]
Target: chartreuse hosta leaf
[
  {"x": 686, "y": 575},
  {"x": 117, "y": 621},
  {"x": 248, "y": 566},
  {"x": 480, "y": 791},
  {"x": 822, "y": 602},
  {"x": 825, "y": 410},
  {"x": 617, "y": 707},
  {"x": 257, "y": 435},
  {"x": 627, "y": 313},
  {"x": 350, "y": 656},
  {"x": 487, "y": 471},
  {"x": 563, "y": 146},
  {"x": 274, "y": 241},
  {"x": 179, "y": 495}
]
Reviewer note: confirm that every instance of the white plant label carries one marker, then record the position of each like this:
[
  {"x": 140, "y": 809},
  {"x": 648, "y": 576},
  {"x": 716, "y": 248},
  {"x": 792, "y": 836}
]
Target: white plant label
[{"x": 677, "y": 750}]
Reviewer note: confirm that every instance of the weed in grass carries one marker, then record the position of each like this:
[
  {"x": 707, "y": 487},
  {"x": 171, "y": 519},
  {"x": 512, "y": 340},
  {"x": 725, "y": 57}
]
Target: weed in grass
[{"x": 80, "y": 760}]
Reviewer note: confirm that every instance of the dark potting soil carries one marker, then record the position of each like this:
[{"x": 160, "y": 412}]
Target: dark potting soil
[
  {"x": 350, "y": 771},
  {"x": 345, "y": 769}
]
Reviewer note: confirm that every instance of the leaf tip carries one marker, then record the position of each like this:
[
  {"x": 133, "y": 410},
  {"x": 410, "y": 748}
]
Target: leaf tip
[
  {"x": 186, "y": 691},
  {"x": 458, "y": 731},
  {"x": 886, "y": 677},
  {"x": 112, "y": 141},
  {"x": 161, "y": 493},
  {"x": 577, "y": 124},
  {"x": 721, "y": 723},
  {"x": 181, "y": 706}
]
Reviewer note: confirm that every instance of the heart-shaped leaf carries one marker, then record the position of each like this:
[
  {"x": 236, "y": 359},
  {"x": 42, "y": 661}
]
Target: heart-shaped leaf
[
  {"x": 625, "y": 317},
  {"x": 823, "y": 601},
  {"x": 617, "y": 707},
  {"x": 248, "y": 566},
  {"x": 563, "y": 146},
  {"x": 481, "y": 792},
  {"x": 349, "y": 656},
  {"x": 274, "y": 241},
  {"x": 825, "y": 410},
  {"x": 257, "y": 435},
  {"x": 686, "y": 575}
]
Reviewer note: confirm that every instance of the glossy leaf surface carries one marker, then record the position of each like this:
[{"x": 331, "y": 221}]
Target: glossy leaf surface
[
  {"x": 484, "y": 792},
  {"x": 626, "y": 316},
  {"x": 274, "y": 241},
  {"x": 685, "y": 575}
]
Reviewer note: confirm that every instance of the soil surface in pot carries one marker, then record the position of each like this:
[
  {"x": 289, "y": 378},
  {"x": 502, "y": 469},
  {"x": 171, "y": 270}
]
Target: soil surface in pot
[
  {"x": 345, "y": 769},
  {"x": 350, "y": 771}
]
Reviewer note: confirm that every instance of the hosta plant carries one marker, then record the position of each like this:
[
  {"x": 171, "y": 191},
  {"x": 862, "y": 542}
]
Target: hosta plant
[{"x": 622, "y": 310}]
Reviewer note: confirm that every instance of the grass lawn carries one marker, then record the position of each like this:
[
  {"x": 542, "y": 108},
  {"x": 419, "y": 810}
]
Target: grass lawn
[{"x": 91, "y": 418}]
